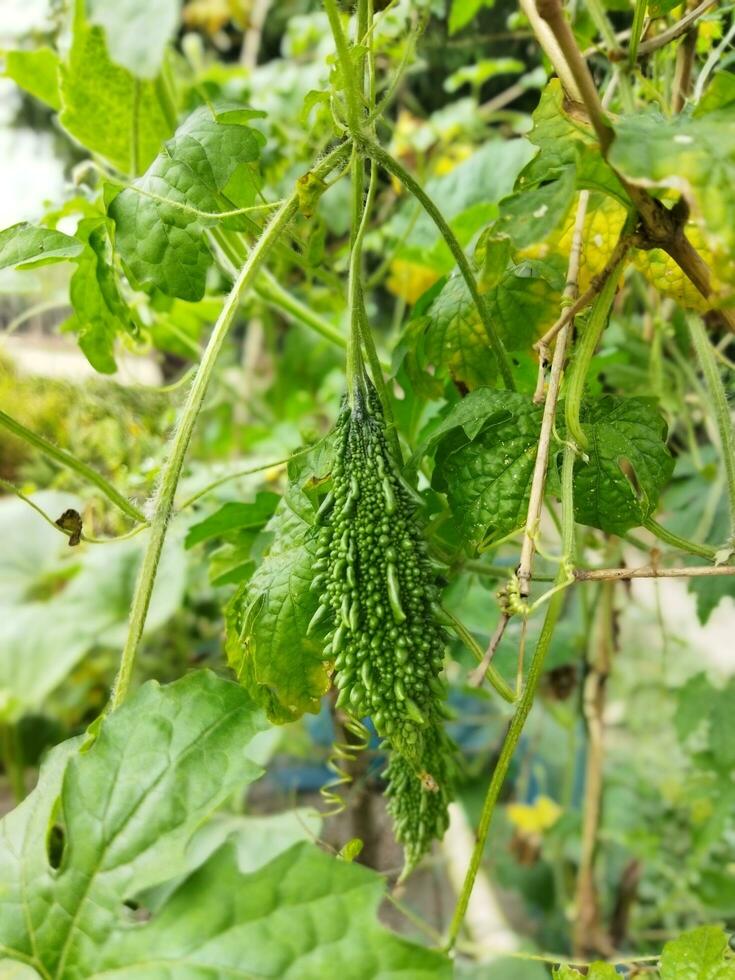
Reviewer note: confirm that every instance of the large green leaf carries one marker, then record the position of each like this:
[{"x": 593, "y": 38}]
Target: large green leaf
[
  {"x": 104, "y": 107},
  {"x": 487, "y": 448},
  {"x": 267, "y": 642},
  {"x": 137, "y": 31},
  {"x": 455, "y": 340},
  {"x": 304, "y": 916},
  {"x": 452, "y": 339},
  {"x": 209, "y": 166},
  {"x": 25, "y": 246},
  {"x": 698, "y": 955},
  {"x": 128, "y": 807},
  {"x": 629, "y": 463},
  {"x": 486, "y": 472}
]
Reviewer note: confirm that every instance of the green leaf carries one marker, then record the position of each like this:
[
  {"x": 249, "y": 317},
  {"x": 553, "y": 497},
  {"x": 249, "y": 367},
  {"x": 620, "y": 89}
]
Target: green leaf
[
  {"x": 525, "y": 302},
  {"x": 104, "y": 107},
  {"x": 698, "y": 955},
  {"x": 25, "y": 246},
  {"x": 128, "y": 807},
  {"x": 481, "y": 71},
  {"x": 719, "y": 93},
  {"x": 629, "y": 463},
  {"x": 304, "y": 916},
  {"x": 487, "y": 448},
  {"x": 529, "y": 215},
  {"x": 267, "y": 620},
  {"x": 137, "y": 31},
  {"x": 693, "y": 155},
  {"x": 463, "y": 11},
  {"x": 596, "y": 971},
  {"x": 100, "y": 313},
  {"x": 659, "y": 8},
  {"x": 36, "y": 71},
  {"x": 233, "y": 517},
  {"x": 208, "y": 166},
  {"x": 455, "y": 340},
  {"x": 484, "y": 463}
]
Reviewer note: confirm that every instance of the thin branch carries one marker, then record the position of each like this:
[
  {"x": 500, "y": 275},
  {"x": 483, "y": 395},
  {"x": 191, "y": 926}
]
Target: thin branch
[
  {"x": 469, "y": 641},
  {"x": 676, "y": 30},
  {"x": 651, "y": 571},
  {"x": 11, "y": 488},
  {"x": 477, "y": 676},
  {"x": 538, "y": 481},
  {"x": 589, "y": 936}
]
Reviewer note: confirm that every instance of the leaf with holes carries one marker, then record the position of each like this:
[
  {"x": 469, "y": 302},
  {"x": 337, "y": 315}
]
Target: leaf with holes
[
  {"x": 628, "y": 466},
  {"x": 126, "y": 809},
  {"x": 209, "y": 166},
  {"x": 267, "y": 619}
]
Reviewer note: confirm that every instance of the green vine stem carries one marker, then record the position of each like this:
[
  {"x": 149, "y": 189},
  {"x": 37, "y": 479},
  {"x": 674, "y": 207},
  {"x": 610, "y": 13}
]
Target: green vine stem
[
  {"x": 525, "y": 703},
  {"x": 182, "y": 436},
  {"x": 392, "y": 166},
  {"x": 234, "y": 250},
  {"x": 504, "y": 690},
  {"x": 720, "y": 407},
  {"x": 67, "y": 459},
  {"x": 583, "y": 356},
  {"x": 345, "y": 63},
  {"x": 681, "y": 544}
]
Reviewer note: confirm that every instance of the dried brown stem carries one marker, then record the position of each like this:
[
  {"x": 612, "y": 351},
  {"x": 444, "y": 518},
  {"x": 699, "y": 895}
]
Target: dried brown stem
[
  {"x": 538, "y": 481},
  {"x": 477, "y": 676},
  {"x": 589, "y": 937},
  {"x": 651, "y": 571}
]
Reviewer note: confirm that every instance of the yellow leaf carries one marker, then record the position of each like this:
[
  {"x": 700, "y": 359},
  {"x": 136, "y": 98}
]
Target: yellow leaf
[
  {"x": 536, "y": 817},
  {"x": 410, "y": 280}
]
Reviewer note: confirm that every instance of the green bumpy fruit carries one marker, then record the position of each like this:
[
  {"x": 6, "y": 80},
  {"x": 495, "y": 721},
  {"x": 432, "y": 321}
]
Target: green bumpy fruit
[
  {"x": 418, "y": 801},
  {"x": 379, "y": 597}
]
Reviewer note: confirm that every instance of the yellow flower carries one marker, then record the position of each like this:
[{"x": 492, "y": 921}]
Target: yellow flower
[{"x": 536, "y": 817}]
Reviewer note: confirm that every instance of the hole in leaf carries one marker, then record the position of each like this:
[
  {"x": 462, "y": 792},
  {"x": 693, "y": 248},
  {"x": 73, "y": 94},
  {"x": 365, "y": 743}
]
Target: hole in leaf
[
  {"x": 626, "y": 468},
  {"x": 55, "y": 844}
]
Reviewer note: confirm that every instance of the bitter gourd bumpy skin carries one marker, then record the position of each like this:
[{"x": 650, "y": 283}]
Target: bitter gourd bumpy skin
[{"x": 379, "y": 597}]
